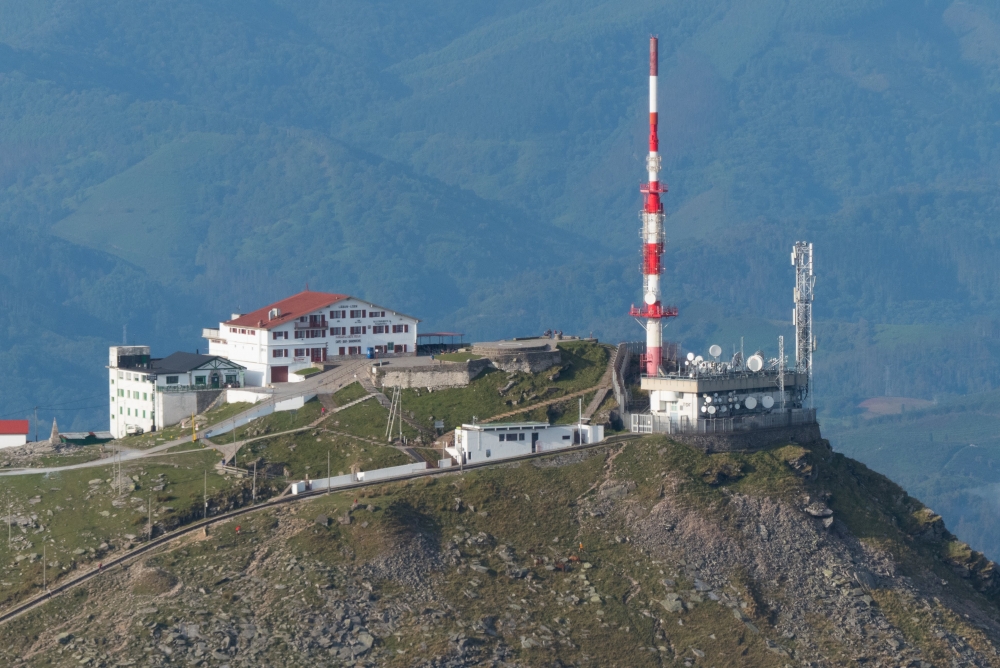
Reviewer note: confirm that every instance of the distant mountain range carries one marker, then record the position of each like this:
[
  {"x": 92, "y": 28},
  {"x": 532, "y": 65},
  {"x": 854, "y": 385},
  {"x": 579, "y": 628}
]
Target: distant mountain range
[{"x": 165, "y": 164}]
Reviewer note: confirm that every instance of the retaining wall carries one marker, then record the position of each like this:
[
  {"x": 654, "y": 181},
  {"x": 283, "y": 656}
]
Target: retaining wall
[
  {"x": 751, "y": 439},
  {"x": 432, "y": 376}
]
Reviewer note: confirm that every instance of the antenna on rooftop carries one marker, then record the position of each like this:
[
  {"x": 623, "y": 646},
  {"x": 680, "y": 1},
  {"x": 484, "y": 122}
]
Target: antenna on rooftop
[
  {"x": 805, "y": 282},
  {"x": 125, "y": 334}
]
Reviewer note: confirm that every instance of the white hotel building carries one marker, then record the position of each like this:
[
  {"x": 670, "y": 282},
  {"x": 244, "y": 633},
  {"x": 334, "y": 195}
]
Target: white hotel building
[{"x": 307, "y": 329}]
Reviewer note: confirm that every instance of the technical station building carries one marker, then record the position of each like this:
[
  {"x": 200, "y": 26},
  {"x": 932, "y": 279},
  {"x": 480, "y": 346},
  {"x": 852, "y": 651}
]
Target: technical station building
[
  {"x": 698, "y": 396},
  {"x": 500, "y": 440},
  {"x": 307, "y": 329}
]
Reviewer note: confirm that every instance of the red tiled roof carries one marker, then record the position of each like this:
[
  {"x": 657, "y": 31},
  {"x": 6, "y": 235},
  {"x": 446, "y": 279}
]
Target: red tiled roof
[
  {"x": 8, "y": 427},
  {"x": 290, "y": 309}
]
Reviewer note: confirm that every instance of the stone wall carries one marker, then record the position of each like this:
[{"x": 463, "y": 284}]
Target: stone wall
[
  {"x": 528, "y": 361},
  {"x": 751, "y": 439},
  {"x": 434, "y": 376}
]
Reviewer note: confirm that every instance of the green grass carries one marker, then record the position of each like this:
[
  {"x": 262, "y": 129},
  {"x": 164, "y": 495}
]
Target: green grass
[
  {"x": 350, "y": 393},
  {"x": 78, "y": 516},
  {"x": 278, "y": 422},
  {"x": 306, "y": 454},
  {"x": 583, "y": 364},
  {"x": 311, "y": 371}
]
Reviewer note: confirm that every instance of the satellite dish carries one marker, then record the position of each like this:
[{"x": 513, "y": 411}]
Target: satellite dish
[
  {"x": 715, "y": 350},
  {"x": 649, "y": 298},
  {"x": 711, "y": 410},
  {"x": 767, "y": 401},
  {"x": 737, "y": 407},
  {"x": 704, "y": 409},
  {"x": 699, "y": 359},
  {"x": 690, "y": 357},
  {"x": 708, "y": 399},
  {"x": 722, "y": 409},
  {"x": 751, "y": 403},
  {"x": 755, "y": 363}
]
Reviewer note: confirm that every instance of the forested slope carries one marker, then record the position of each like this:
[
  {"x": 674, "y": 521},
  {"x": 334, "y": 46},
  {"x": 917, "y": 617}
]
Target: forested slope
[{"x": 167, "y": 163}]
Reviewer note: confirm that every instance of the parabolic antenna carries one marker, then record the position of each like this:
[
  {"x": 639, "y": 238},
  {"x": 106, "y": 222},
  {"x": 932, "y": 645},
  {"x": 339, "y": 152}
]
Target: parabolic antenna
[
  {"x": 737, "y": 407},
  {"x": 751, "y": 403},
  {"x": 690, "y": 357},
  {"x": 649, "y": 298},
  {"x": 708, "y": 399},
  {"x": 699, "y": 359},
  {"x": 711, "y": 410},
  {"x": 715, "y": 350},
  {"x": 767, "y": 401},
  {"x": 755, "y": 363}
]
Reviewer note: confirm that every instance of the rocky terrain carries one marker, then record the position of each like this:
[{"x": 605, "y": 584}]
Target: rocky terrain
[{"x": 643, "y": 553}]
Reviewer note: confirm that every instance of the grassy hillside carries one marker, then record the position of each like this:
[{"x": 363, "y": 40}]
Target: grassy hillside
[
  {"x": 640, "y": 554},
  {"x": 163, "y": 165}
]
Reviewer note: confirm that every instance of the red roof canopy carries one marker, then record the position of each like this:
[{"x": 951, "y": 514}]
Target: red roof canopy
[
  {"x": 289, "y": 309},
  {"x": 8, "y": 427}
]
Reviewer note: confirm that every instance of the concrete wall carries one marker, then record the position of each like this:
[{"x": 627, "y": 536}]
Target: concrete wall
[
  {"x": 172, "y": 407},
  {"x": 433, "y": 376},
  {"x": 391, "y": 472},
  {"x": 751, "y": 439},
  {"x": 234, "y": 396}
]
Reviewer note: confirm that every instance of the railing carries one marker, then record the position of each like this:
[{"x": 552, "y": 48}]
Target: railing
[
  {"x": 311, "y": 325},
  {"x": 619, "y": 364},
  {"x": 194, "y": 388},
  {"x": 647, "y": 423}
]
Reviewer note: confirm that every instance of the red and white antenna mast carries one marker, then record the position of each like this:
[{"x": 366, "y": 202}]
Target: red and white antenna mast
[{"x": 652, "y": 236}]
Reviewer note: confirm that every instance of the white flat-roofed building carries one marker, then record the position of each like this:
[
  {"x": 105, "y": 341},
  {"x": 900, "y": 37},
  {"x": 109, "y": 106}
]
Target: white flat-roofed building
[
  {"x": 500, "y": 440},
  {"x": 307, "y": 329},
  {"x": 148, "y": 394}
]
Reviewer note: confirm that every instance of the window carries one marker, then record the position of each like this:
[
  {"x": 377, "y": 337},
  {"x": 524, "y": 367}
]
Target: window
[
  {"x": 338, "y": 331},
  {"x": 231, "y": 377},
  {"x": 144, "y": 414},
  {"x": 119, "y": 374},
  {"x": 298, "y": 334},
  {"x": 145, "y": 397},
  {"x": 172, "y": 380},
  {"x": 243, "y": 331},
  {"x": 112, "y": 398},
  {"x": 338, "y": 315},
  {"x": 565, "y": 438},
  {"x": 396, "y": 329},
  {"x": 520, "y": 437},
  {"x": 488, "y": 453},
  {"x": 354, "y": 350},
  {"x": 129, "y": 411},
  {"x": 199, "y": 380},
  {"x": 300, "y": 352},
  {"x": 280, "y": 352},
  {"x": 358, "y": 314},
  {"x": 119, "y": 410},
  {"x": 357, "y": 330},
  {"x": 378, "y": 329},
  {"x": 376, "y": 314},
  {"x": 275, "y": 336},
  {"x": 303, "y": 319}
]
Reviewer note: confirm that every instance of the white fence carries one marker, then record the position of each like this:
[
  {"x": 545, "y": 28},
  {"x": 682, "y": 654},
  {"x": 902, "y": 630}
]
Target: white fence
[
  {"x": 360, "y": 476},
  {"x": 646, "y": 423}
]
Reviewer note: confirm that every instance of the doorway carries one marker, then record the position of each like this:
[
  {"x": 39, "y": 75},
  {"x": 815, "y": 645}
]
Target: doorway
[
  {"x": 215, "y": 380},
  {"x": 279, "y": 374},
  {"x": 534, "y": 442}
]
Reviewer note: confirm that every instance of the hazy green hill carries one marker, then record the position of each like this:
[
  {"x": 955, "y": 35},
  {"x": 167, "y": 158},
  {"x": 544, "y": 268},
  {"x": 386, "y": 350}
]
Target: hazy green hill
[
  {"x": 948, "y": 455},
  {"x": 478, "y": 166}
]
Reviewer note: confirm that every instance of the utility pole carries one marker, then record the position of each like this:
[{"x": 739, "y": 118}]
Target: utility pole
[
  {"x": 10, "y": 519},
  {"x": 194, "y": 431},
  {"x": 254, "y": 497},
  {"x": 327, "y": 471},
  {"x": 45, "y": 584},
  {"x": 150, "y": 506},
  {"x": 36, "y": 424},
  {"x": 205, "y": 512}
]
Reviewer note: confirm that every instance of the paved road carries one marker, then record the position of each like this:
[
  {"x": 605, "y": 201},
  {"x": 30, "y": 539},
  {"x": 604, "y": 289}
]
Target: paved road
[{"x": 328, "y": 381}]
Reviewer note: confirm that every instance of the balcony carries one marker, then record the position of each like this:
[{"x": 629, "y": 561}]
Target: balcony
[
  {"x": 322, "y": 324},
  {"x": 194, "y": 388}
]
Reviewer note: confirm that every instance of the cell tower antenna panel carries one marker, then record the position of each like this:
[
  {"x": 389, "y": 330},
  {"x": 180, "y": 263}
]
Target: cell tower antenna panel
[
  {"x": 652, "y": 309},
  {"x": 805, "y": 283}
]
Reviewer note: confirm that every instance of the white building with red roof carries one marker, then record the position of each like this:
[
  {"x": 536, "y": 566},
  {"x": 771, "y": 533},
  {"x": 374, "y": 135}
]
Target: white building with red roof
[{"x": 307, "y": 329}]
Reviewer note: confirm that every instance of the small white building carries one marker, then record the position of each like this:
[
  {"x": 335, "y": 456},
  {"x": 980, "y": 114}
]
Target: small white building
[
  {"x": 307, "y": 329},
  {"x": 13, "y": 433},
  {"x": 148, "y": 394},
  {"x": 500, "y": 440}
]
